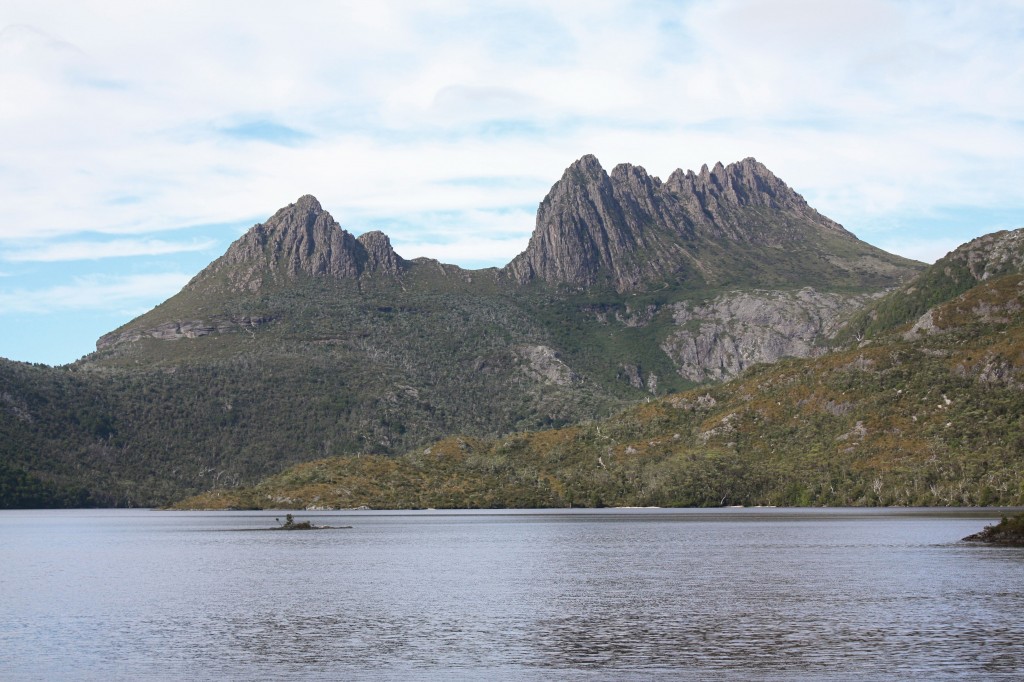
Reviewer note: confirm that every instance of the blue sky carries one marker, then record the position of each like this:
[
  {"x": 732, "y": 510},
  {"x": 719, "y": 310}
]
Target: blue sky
[{"x": 137, "y": 140}]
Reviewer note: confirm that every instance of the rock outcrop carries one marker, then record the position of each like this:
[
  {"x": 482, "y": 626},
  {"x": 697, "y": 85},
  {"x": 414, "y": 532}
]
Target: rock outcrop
[
  {"x": 999, "y": 253},
  {"x": 542, "y": 363},
  {"x": 299, "y": 240},
  {"x": 720, "y": 338},
  {"x": 182, "y": 329},
  {"x": 377, "y": 255},
  {"x": 1009, "y": 532},
  {"x": 592, "y": 228}
]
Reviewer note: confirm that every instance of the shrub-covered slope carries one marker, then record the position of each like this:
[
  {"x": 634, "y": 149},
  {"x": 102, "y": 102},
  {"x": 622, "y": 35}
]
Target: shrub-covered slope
[
  {"x": 984, "y": 258},
  {"x": 930, "y": 418}
]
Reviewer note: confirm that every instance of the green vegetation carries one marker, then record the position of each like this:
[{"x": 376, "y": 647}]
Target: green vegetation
[
  {"x": 991, "y": 256},
  {"x": 330, "y": 369},
  {"x": 938, "y": 420},
  {"x": 322, "y": 391},
  {"x": 147, "y": 422},
  {"x": 383, "y": 371},
  {"x": 1008, "y": 532}
]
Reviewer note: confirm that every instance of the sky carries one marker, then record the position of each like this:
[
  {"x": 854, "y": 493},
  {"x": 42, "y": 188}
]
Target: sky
[{"x": 139, "y": 139}]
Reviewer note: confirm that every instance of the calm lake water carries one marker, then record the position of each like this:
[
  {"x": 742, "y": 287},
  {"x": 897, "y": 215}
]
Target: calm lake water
[{"x": 585, "y": 594}]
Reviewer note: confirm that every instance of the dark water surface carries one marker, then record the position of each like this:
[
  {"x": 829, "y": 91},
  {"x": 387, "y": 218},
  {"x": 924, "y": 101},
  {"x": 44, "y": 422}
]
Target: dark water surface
[{"x": 585, "y": 594}]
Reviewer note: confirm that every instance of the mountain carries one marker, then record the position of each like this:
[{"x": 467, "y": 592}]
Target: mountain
[
  {"x": 679, "y": 282},
  {"x": 617, "y": 235},
  {"x": 733, "y": 225},
  {"x": 303, "y": 341},
  {"x": 929, "y": 416}
]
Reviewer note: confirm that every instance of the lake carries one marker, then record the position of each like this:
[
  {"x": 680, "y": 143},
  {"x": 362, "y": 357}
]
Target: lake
[{"x": 758, "y": 594}]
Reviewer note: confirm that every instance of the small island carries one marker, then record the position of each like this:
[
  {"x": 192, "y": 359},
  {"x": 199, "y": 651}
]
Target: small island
[
  {"x": 1009, "y": 532},
  {"x": 291, "y": 524}
]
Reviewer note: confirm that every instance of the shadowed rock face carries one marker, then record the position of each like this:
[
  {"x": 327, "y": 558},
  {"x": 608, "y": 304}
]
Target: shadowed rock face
[
  {"x": 630, "y": 228},
  {"x": 303, "y": 239}
]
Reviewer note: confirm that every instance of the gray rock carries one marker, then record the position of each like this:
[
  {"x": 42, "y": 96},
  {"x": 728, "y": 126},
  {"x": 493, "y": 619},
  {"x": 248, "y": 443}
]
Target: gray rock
[
  {"x": 718, "y": 339},
  {"x": 301, "y": 239},
  {"x": 543, "y": 363},
  {"x": 182, "y": 329},
  {"x": 380, "y": 257},
  {"x": 628, "y": 228}
]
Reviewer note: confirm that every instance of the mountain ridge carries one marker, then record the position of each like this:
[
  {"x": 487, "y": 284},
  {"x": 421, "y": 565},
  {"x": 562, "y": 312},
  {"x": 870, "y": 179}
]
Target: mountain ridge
[
  {"x": 304, "y": 341},
  {"x": 627, "y": 232},
  {"x": 592, "y": 220}
]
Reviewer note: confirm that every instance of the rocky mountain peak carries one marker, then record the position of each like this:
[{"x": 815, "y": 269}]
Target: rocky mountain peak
[
  {"x": 302, "y": 239},
  {"x": 308, "y": 203},
  {"x": 587, "y": 165},
  {"x": 581, "y": 233},
  {"x": 630, "y": 227}
]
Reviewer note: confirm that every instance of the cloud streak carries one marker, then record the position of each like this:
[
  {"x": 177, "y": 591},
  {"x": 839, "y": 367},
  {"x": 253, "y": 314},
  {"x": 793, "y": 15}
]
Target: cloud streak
[
  {"x": 93, "y": 293},
  {"x": 119, "y": 248}
]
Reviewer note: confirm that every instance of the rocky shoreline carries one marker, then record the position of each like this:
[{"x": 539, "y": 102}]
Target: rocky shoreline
[{"x": 1009, "y": 532}]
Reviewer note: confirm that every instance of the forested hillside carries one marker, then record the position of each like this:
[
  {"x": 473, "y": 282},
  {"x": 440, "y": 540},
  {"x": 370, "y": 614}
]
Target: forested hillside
[
  {"x": 303, "y": 341},
  {"x": 929, "y": 416}
]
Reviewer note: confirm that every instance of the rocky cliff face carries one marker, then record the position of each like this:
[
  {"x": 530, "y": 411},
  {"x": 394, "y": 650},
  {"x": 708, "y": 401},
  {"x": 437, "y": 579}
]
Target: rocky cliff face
[
  {"x": 182, "y": 329},
  {"x": 629, "y": 228},
  {"x": 377, "y": 256},
  {"x": 592, "y": 228},
  {"x": 709, "y": 198},
  {"x": 720, "y": 338},
  {"x": 302, "y": 239}
]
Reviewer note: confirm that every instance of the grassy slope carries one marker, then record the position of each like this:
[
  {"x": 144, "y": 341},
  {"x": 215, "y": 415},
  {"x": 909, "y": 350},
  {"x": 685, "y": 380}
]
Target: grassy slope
[{"x": 935, "y": 420}]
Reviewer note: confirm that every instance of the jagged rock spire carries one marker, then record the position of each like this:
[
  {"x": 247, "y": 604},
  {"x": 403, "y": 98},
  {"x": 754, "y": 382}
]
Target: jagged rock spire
[
  {"x": 302, "y": 239},
  {"x": 628, "y": 228},
  {"x": 580, "y": 230}
]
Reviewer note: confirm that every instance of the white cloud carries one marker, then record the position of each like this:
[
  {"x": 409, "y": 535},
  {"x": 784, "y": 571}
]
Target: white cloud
[
  {"x": 118, "y": 248},
  {"x": 93, "y": 293},
  {"x": 473, "y": 239},
  {"x": 475, "y": 252},
  {"x": 870, "y": 108}
]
